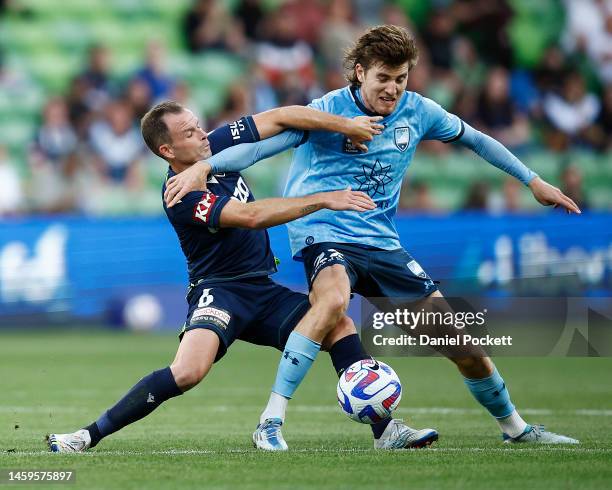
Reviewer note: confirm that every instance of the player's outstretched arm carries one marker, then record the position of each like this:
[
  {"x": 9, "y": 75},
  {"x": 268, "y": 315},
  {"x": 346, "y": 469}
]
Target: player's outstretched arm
[
  {"x": 359, "y": 130},
  {"x": 498, "y": 155},
  {"x": 271, "y": 126},
  {"x": 549, "y": 195},
  {"x": 279, "y": 210}
]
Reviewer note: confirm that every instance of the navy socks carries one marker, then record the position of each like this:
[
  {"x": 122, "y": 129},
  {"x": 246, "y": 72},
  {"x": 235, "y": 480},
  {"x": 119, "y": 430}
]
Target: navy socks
[{"x": 144, "y": 397}]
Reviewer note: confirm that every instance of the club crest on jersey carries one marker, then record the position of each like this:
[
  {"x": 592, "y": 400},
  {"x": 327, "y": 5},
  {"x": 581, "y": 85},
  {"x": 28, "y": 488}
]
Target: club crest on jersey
[
  {"x": 202, "y": 210},
  {"x": 402, "y": 138}
]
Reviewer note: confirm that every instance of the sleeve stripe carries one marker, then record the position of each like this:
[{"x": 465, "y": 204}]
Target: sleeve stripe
[
  {"x": 252, "y": 127},
  {"x": 459, "y": 135}
]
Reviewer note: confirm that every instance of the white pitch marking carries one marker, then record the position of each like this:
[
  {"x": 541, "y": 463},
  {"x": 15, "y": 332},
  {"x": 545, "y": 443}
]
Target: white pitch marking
[
  {"x": 182, "y": 452},
  {"x": 329, "y": 409},
  {"x": 420, "y": 410}
]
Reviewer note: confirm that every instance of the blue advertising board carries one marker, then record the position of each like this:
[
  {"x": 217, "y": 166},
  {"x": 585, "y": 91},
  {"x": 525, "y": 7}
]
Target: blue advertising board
[{"x": 80, "y": 269}]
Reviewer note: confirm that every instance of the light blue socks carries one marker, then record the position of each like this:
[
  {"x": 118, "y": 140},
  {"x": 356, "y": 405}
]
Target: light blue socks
[
  {"x": 298, "y": 356},
  {"x": 492, "y": 394}
]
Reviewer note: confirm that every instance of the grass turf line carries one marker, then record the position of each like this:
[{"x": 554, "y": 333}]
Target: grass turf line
[{"x": 60, "y": 381}]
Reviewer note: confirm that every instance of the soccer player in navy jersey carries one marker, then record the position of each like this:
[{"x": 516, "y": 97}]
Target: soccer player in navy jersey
[
  {"x": 222, "y": 234},
  {"x": 350, "y": 252}
]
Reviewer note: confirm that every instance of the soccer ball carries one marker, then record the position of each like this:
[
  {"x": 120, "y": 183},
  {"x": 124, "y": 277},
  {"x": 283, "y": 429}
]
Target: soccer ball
[
  {"x": 142, "y": 312},
  {"x": 368, "y": 391}
]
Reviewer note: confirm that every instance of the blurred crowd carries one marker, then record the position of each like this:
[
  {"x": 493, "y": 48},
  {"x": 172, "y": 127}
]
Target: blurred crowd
[{"x": 88, "y": 140}]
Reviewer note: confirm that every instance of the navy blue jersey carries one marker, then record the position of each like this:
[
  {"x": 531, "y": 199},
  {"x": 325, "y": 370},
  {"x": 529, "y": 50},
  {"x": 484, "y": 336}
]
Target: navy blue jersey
[{"x": 215, "y": 253}]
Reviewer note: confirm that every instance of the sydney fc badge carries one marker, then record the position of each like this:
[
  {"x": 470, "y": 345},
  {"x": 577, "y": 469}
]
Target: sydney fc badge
[{"x": 402, "y": 138}]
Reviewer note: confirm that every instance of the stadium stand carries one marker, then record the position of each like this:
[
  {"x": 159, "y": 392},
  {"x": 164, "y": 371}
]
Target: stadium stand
[{"x": 45, "y": 46}]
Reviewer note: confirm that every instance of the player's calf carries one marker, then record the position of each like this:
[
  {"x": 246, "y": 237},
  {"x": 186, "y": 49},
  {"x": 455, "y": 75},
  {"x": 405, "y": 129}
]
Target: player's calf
[
  {"x": 192, "y": 362},
  {"x": 472, "y": 367}
]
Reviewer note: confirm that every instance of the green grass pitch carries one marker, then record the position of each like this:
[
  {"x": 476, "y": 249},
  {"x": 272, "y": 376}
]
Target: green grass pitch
[{"x": 60, "y": 381}]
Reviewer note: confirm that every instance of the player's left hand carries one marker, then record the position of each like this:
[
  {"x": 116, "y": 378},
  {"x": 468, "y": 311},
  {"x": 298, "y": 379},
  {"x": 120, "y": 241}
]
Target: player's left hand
[
  {"x": 189, "y": 180},
  {"x": 363, "y": 128},
  {"x": 348, "y": 200},
  {"x": 549, "y": 195}
]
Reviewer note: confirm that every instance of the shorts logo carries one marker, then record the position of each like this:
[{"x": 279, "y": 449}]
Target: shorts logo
[
  {"x": 324, "y": 259},
  {"x": 202, "y": 210},
  {"x": 416, "y": 269},
  {"x": 216, "y": 316},
  {"x": 402, "y": 138}
]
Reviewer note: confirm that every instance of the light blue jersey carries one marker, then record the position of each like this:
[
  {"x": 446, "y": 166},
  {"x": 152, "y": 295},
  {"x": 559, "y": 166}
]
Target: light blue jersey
[{"x": 328, "y": 161}]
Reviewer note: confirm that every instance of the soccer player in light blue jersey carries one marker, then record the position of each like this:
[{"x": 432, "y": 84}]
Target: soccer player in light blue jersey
[{"x": 362, "y": 253}]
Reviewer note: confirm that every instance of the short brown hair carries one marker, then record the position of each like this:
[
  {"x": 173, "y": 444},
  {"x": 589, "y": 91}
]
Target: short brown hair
[
  {"x": 387, "y": 44},
  {"x": 153, "y": 127}
]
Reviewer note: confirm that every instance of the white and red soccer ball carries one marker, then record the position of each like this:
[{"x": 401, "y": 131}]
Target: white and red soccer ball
[{"x": 368, "y": 391}]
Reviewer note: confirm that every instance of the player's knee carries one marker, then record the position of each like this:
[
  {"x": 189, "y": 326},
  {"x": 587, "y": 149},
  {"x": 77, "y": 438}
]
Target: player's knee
[
  {"x": 335, "y": 304},
  {"x": 187, "y": 376}
]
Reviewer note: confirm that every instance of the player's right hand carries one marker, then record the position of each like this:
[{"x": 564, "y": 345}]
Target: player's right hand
[
  {"x": 549, "y": 195},
  {"x": 362, "y": 129},
  {"x": 348, "y": 200},
  {"x": 192, "y": 179}
]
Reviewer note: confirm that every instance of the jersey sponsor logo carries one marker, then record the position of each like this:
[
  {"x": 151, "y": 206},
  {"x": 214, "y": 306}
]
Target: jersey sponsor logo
[
  {"x": 416, "y": 269},
  {"x": 236, "y": 128},
  {"x": 348, "y": 146},
  {"x": 202, "y": 209},
  {"x": 401, "y": 136},
  {"x": 373, "y": 179},
  {"x": 216, "y": 316}
]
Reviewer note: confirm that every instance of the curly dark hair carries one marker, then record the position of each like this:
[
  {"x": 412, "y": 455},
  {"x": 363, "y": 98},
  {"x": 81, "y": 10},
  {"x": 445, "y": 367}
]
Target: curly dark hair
[
  {"x": 153, "y": 127},
  {"x": 387, "y": 44}
]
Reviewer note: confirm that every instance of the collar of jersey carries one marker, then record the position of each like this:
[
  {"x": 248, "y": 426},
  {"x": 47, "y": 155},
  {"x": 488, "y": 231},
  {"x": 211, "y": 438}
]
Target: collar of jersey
[{"x": 357, "y": 98}]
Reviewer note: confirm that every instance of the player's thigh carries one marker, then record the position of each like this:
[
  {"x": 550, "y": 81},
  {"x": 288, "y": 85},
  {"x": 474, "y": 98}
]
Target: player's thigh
[
  {"x": 223, "y": 308},
  {"x": 194, "y": 357},
  {"x": 333, "y": 287},
  {"x": 330, "y": 272},
  {"x": 396, "y": 275},
  {"x": 472, "y": 361}
]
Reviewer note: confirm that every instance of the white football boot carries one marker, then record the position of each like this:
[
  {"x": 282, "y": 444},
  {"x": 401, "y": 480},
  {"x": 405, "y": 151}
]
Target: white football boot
[
  {"x": 268, "y": 436},
  {"x": 536, "y": 434},
  {"x": 398, "y": 435},
  {"x": 75, "y": 442}
]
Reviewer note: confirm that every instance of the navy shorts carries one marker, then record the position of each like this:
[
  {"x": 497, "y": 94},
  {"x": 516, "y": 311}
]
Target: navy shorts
[
  {"x": 372, "y": 272},
  {"x": 256, "y": 310}
]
